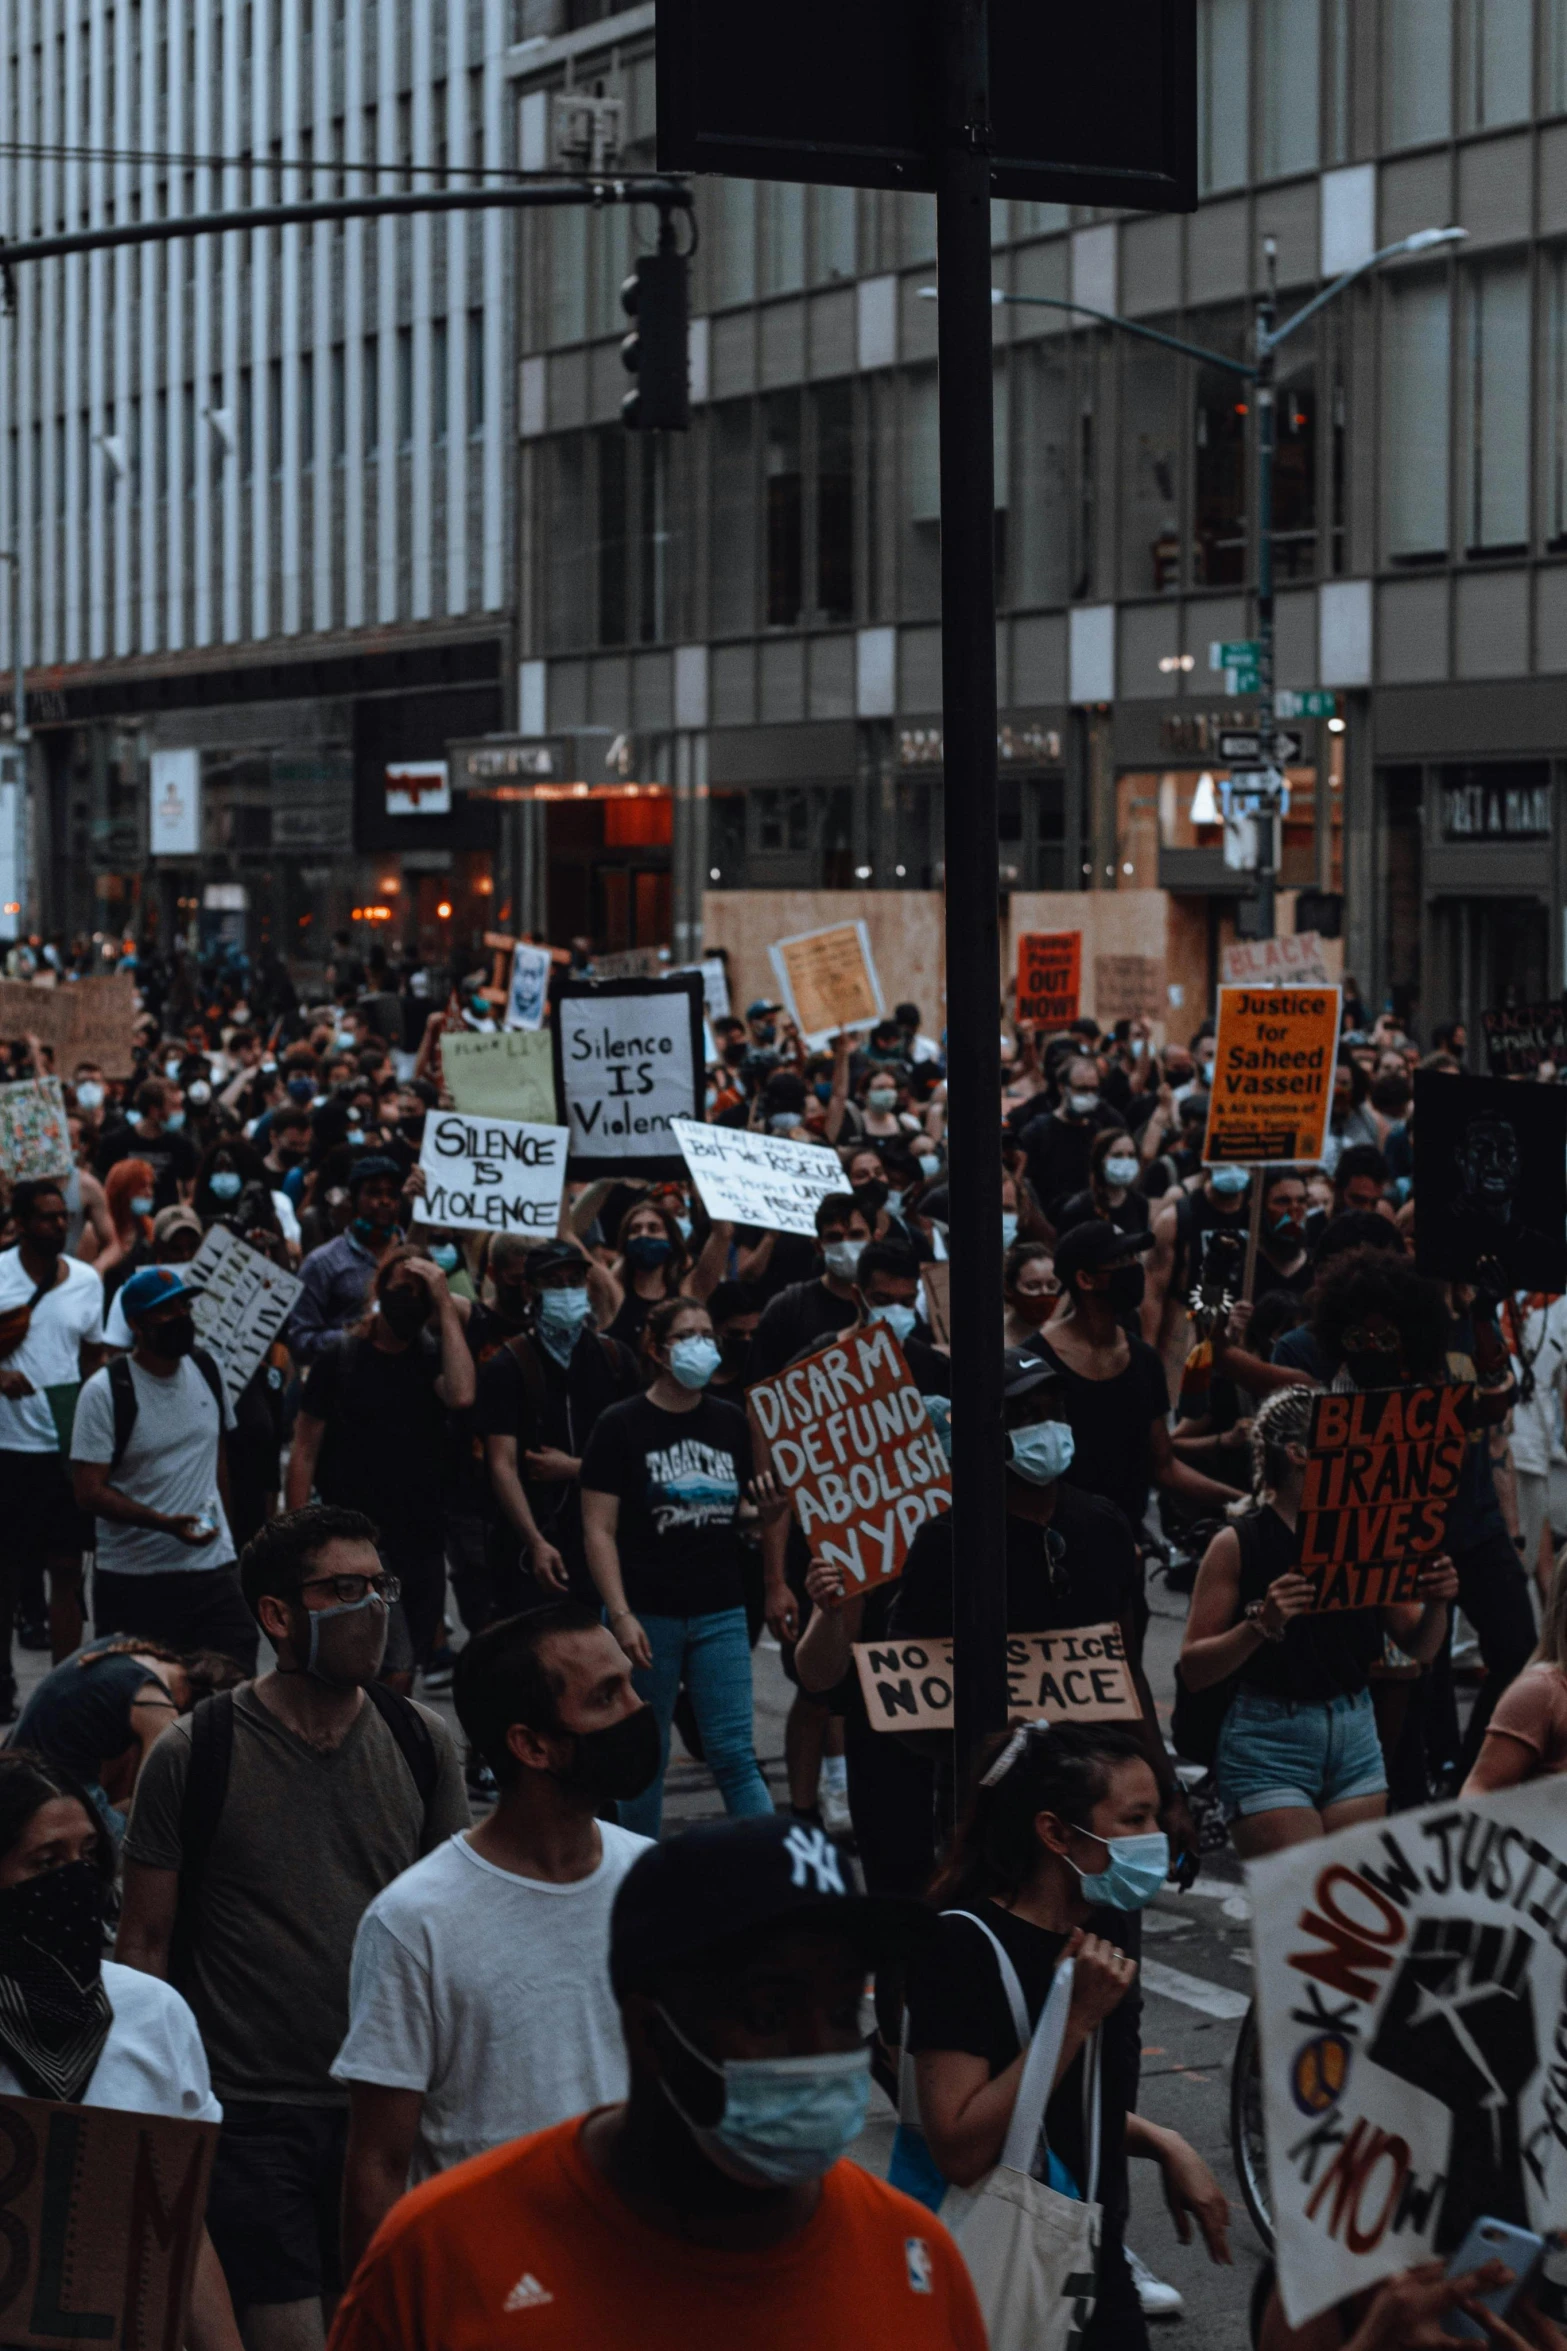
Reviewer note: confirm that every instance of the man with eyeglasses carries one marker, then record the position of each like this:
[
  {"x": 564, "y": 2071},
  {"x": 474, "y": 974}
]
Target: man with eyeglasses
[{"x": 264, "y": 1826}]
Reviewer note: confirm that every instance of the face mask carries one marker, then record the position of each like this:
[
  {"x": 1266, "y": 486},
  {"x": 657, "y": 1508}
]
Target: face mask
[
  {"x": 613, "y": 1765},
  {"x": 174, "y": 1121},
  {"x": 562, "y": 1314},
  {"x": 61, "y": 1912},
  {"x": 301, "y": 1090},
  {"x": 842, "y": 1259},
  {"x": 445, "y": 1255},
  {"x": 644, "y": 1251},
  {"x": 1285, "y": 1229},
  {"x": 898, "y": 1319},
  {"x": 1136, "y": 1869},
  {"x": 783, "y": 1122},
  {"x": 171, "y": 1069},
  {"x": 511, "y": 1301},
  {"x": 405, "y": 1312},
  {"x": 1008, "y": 1227},
  {"x": 736, "y": 1355},
  {"x": 1033, "y": 1306},
  {"x": 1082, "y": 1105},
  {"x": 141, "y": 1204},
  {"x": 823, "y": 1092},
  {"x": 347, "y": 1643},
  {"x": 1120, "y": 1171},
  {"x": 225, "y": 1184},
  {"x": 171, "y": 1338},
  {"x": 881, "y": 1098},
  {"x": 930, "y": 1163},
  {"x": 694, "y": 1361},
  {"x": 1125, "y": 1288},
  {"x": 785, "y": 2119},
  {"x": 765, "y": 1033},
  {"x": 356, "y": 1136},
  {"x": 88, "y": 1096},
  {"x": 1230, "y": 1182},
  {"x": 1042, "y": 1453},
  {"x": 344, "y": 1040},
  {"x": 684, "y": 1222},
  {"x": 413, "y": 1128}
]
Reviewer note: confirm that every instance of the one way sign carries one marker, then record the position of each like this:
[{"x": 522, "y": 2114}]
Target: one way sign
[{"x": 1242, "y": 747}]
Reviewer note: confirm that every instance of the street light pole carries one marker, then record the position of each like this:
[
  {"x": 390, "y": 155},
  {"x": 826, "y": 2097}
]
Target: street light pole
[{"x": 1271, "y": 791}]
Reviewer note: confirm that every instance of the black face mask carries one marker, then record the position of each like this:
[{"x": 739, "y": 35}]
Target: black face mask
[
  {"x": 173, "y": 1337},
  {"x": 413, "y": 1128},
  {"x": 736, "y": 1353},
  {"x": 618, "y": 1762},
  {"x": 511, "y": 1302},
  {"x": 405, "y": 1312},
  {"x": 1125, "y": 1287},
  {"x": 1374, "y": 1370}
]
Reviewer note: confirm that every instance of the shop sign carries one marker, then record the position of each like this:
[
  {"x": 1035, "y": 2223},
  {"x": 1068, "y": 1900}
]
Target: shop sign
[
  {"x": 1496, "y": 811},
  {"x": 1031, "y": 746}
]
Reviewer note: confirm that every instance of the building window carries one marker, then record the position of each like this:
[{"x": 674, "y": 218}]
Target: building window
[
  {"x": 653, "y": 538},
  {"x": 1223, "y": 93},
  {"x": 919, "y": 552},
  {"x": 339, "y": 407},
  {"x": 783, "y": 237},
  {"x": 785, "y": 511},
  {"x": 734, "y": 265},
  {"x": 1295, "y": 481},
  {"x": 612, "y": 488},
  {"x": 1415, "y": 421},
  {"x": 438, "y": 386},
  {"x": 275, "y": 417},
  {"x": 568, "y": 273},
  {"x": 732, "y": 556},
  {"x": 833, "y": 244},
  {"x": 247, "y": 425},
  {"x": 1043, "y": 534},
  {"x": 1220, "y": 479},
  {"x": 1291, "y": 32},
  {"x": 1498, "y": 62},
  {"x": 475, "y": 374},
  {"x": 1340, "y": 122},
  {"x": 1417, "y": 70},
  {"x": 370, "y": 393},
  {"x": 1493, "y": 386},
  {"x": 567, "y": 542},
  {"x": 307, "y": 411},
  {"x": 1151, "y": 498},
  {"x": 405, "y": 388},
  {"x": 1553, "y": 97},
  {"x": 834, "y": 414}
]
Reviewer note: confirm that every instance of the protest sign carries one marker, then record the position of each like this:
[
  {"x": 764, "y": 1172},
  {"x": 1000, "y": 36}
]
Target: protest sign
[
  {"x": 1519, "y": 1037},
  {"x": 1491, "y": 1182},
  {"x": 850, "y": 1442},
  {"x": 45, "y": 1013},
  {"x": 629, "y": 963},
  {"x": 528, "y": 989},
  {"x": 1128, "y": 987},
  {"x": 88, "y": 1020},
  {"x": 491, "y": 1175},
  {"x": 508, "y": 1075},
  {"x": 1384, "y": 1464},
  {"x": 1411, "y": 1978},
  {"x": 1080, "y": 1676},
  {"x": 628, "y": 1062},
  {"x": 1049, "y": 977},
  {"x": 1272, "y": 1076},
  {"x": 828, "y": 980},
  {"x": 103, "y": 2214},
  {"x": 1261, "y": 963},
  {"x": 758, "y": 1179},
  {"x": 245, "y": 1300},
  {"x": 936, "y": 1283},
  {"x": 34, "y": 1137}
]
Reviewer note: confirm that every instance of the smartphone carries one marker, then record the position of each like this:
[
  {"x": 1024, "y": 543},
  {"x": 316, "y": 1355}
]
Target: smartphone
[{"x": 1494, "y": 2240}]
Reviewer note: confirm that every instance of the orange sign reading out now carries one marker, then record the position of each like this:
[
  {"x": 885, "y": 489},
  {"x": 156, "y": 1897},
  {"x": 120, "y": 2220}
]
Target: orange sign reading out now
[
  {"x": 1272, "y": 1076},
  {"x": 1049, "y": 977}
]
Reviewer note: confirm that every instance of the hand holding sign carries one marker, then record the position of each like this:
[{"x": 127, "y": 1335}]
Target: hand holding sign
[
  {"x": 1049, "y": 977},
  {"x": 1383, "y": 1466},
  {"x": 1272, "y": 1076}
]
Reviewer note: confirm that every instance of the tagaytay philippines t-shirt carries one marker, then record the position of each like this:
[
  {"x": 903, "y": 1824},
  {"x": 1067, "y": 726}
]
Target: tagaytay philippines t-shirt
[{"x": 680, "y": 1478}]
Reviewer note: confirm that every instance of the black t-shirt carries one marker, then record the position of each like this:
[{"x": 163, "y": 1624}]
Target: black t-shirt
[
  {"x": 1111, "y": 1421},
  {"x": 1320, "y": 1657},
  {"x": 799, "y": 1318},
  {"x": 680, "y": 1478},
  {"x": 1087, "y": 1574},
  {"x": 958, "y": 2001},
  {"x": 384, "y": 1447},
  {"x": 171, "y": 1156},
  {"x": 631, "y": 1319},
  {"x": 1058, "y": 1153},
  {"x": 552, "y": 1404},
  {"x": 1128, "y": 1216}
]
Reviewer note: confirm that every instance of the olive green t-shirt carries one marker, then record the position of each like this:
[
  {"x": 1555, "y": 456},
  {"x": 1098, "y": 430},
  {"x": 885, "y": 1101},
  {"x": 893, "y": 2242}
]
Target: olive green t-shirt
[{"x": 304, "y": 1844}]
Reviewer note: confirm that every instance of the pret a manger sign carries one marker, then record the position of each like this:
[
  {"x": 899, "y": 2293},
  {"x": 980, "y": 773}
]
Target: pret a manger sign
[{"x": 1383, "y": 1466}]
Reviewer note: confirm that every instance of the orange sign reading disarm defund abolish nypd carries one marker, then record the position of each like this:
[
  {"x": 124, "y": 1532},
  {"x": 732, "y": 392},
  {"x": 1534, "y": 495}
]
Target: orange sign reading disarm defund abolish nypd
[{"x": 1272, "y": 1076}]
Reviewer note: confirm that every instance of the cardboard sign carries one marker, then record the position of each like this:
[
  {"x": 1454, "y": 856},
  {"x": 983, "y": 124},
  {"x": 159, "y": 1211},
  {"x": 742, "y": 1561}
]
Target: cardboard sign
[
  {"x": 34, "y": 1137},
  {"x": 1411, "y": 1978},
  {"x": 936, "y": 1283},
  {"x": 509, "y": 1075},
  {"x": 103, "y": 2212},
  {"x": 828, "y": 981},
  {"x": 1519, "y": 1037},
  {"x": 528, "y": 991},
  {"x": 628, "y": 1063},
  {"x": 1491, "y": 1182},
  {"x": 245, "y": 1301},
  {"x": 849, "y": 1440},
  {"x": 1080, "y": 1676},
  {"x": 1384, "y": 1465},
  {"x": 1272, "y": 1076},
  {"x": 89, "y": 1020},
  {"x": 758, "y": 1179},
  {"x": 1128, "y": 987},
  {"x": 492, "y": 1175},
  {"x": 1049, "y": 977},
  {"x": 715, "y": 985},
  {"x": 629, "y": 963},
  {"x": 1262, "y": 963}
]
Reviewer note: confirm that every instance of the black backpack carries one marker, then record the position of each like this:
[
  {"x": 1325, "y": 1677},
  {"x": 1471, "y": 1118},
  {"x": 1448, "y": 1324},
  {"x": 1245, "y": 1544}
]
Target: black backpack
[{"x": 122, "y": 1392}]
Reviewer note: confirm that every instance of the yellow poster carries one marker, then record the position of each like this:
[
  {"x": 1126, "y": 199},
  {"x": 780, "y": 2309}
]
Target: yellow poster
[
  {"x": 1272, "y": 1076},
  {"x": 828, "y": 980}
]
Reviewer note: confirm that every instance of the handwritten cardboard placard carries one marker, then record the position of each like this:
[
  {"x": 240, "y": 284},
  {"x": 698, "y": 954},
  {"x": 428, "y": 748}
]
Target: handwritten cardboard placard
[
  {"x": 1080, "y": 1676},
  {"x": 758, "y": 1179},
  {"x": 89, "y": 1020},
  {"x": 828, "y": 980},
  {"x": 1383, "y": 1466},
  {"x": 245, "y": 1300},
  {"x": 1128, "y": 987},
  {"x": 1049, "y": 977},
  {"x": 508, "y": 1075},
  {"x": 492, "y": 1175},
  {"x": 849, "y": 1440},
  {"x": 1272, "y": 1076},
  {"x": 936, "y": 1283},
  {"x": 1294, "y": 962},
  {"x": 1518, "y": 1037},
  {"x": 103, "y": 2212},
  {"x": 629, "y": 1062},
  {"x": 35, "y": 1139}
]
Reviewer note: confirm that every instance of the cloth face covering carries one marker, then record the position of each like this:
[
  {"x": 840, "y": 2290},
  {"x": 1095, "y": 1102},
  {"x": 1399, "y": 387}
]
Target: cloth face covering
[
  {"x": 785, "y": 2118},
  {"x": 54, "y": 2012}
]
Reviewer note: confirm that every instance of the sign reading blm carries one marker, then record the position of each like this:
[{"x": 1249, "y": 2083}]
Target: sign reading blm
[
  {"x": 491, "y": 1175},
  {"x": 628, "y": 1063},
  {"x": 1491, "y": 1182}
]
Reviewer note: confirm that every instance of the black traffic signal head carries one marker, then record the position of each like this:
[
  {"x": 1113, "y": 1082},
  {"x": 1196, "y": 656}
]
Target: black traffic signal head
[{"x": 655, "y": 296}]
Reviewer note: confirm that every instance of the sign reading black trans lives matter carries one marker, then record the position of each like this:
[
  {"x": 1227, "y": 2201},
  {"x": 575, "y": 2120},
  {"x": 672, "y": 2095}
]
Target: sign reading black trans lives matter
[{"x": 628, "y": 1063}]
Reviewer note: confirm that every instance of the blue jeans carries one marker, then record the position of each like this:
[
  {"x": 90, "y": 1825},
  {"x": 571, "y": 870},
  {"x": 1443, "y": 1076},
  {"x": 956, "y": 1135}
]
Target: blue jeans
[{"x": 712, "y": 1655}]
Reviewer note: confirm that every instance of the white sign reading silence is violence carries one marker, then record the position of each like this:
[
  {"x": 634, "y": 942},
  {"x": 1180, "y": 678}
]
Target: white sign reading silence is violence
[
  {"x": 1411, "y": 1984},
  {"x": 758, "y": 1179},
  {"x": 491, "y": 1175}
]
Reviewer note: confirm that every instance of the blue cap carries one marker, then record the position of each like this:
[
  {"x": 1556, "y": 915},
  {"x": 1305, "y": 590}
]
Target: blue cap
[{"x": 155, "y": 1285}]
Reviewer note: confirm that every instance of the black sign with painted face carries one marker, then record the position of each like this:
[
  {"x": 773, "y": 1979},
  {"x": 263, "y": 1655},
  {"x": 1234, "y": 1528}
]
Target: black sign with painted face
[{"x": 1491, "y": 1181}]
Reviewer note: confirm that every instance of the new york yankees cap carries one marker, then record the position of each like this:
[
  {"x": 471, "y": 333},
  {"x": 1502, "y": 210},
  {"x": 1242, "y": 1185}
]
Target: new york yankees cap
[{"x": 726, "y": 1878}]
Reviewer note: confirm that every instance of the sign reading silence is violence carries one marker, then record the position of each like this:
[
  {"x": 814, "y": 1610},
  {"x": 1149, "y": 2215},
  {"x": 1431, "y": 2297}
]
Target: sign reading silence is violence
[
  {"x": 1383, "y": 1465},
  {"x": 1272, "y": 1076},
  {"x": 848, "y": 1438}
]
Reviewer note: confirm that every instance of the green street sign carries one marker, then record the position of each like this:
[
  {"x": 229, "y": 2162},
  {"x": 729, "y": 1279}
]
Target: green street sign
[
  {"x": 1239, "y": 653},
  {"x": 1243, "y": 680},
  {"x": 1317, "y": 703}
]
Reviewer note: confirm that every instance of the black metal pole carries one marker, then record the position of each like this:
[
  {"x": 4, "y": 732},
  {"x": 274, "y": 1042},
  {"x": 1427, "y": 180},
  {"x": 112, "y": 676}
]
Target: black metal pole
[{"x": 968, "y": 676}]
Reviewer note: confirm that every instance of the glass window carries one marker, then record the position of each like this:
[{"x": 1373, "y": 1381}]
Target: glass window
[
  {"x": 307, "y": 410},
  {"x": 438, "y": 386},
  {"x": 1220, "y": 479},
  {"x": 1498, "y": 62},
  {"x": 405, "y": 387},
  {"x": 834, "y": 409},
  {"x": 1042, "y": 518},
  {"x": 568, "y": 315},
  {"x": 1041, "y": 220},
  {"x": 1493, "y": 396},
  {"x": 1151, "y": 390},
  {"x": 1291, "y": 71},
  {"x": 1001, "y": 464},
  {"x": 785, "y": 511},
  {"x": 1223, "y": 93},
  {"x": 568, "y": 538},
  {"x": 653, "y": 543},
  {"x": 1295, "y": 478},
  {"x": 919, "y": 550},
  {"x": 1417, "y": 70},
  {"x": 1553, "y": 97},
  {"x": 612, "y": 488},
  {"x": 1415, "y": 418},
  {"x": 783, "y": 237},
  {"x": 1556, "y": 395},
  {"x": 475, "y": 371},
  {"x": 732, "y": 559},
  {"x": 612, "y": 263},
  {"x": 1340, "y": 118},
  {"x": 734, "y": 267},
  {"x": 917, "y": 226},
  {"x": 370, "y": 394},
  {"x": 833, "y": 248}
]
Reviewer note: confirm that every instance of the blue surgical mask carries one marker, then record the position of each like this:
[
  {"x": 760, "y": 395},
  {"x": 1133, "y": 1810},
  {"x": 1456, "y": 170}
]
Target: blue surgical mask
[
  {"x": 561, "y": 1316},
  {"x": 823, "y": 1091},
  {"x": 141, "y": 1204},
  {"x": 446, "y": 1255},
  {"x": 1120, "y": 1171},
  {"x": 1136, "y": 1869},
  {"x": 842, "y": 1259},
  {"x": 1230, "y": 1182},
  {"x": 1042, "y": 1452},
  {"x": 225, "y": 1184},
  {"x": 89, "y": 1095},
  {"x": 898, "y": 1319},
  {"x": 694, "y": 1361},
  {"x": 684, "y": 1222},
  {"x": 1008, "y": 1227},
  {"x": 174, "y": 1121},
  {"x": 785, "y": 2119},
  {"x": 784, "y": 1122},
  {"x": 930, "y": 1163},
  {"x": 939, "y": 1412}
]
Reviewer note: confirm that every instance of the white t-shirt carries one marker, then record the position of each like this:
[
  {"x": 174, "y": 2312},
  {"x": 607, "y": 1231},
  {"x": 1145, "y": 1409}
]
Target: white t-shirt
[
  {"x": 170, "y": 1464},
  {"x": 50, "y": 1355},
  {"x": 153, "y": 2061},
  {"x": 490, "y": 1993},
  {"x": 1534, "y": 1423}
]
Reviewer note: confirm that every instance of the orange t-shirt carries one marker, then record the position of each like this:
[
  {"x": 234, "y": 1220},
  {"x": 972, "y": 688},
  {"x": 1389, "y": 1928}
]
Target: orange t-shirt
[{"x": 529, "y": 2247}]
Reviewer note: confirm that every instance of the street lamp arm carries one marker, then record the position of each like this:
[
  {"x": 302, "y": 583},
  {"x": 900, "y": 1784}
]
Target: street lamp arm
[
  {"x": 1422, "y": 241},
  {"x": 1108, "y": 318}
]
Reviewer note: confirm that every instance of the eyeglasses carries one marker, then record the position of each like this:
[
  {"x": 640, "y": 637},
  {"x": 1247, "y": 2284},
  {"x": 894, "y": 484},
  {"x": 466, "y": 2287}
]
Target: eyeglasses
[
  {"x": 1365, "y": 1342},
  {"x": 348, "y": 1589}
]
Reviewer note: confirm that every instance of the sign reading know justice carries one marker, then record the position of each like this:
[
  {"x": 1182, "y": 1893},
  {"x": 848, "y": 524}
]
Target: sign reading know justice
[
  {"x": 491, "y": 1175},
  {"x": 1080, "y": 1676},
  {"x": 1272, "y": 1076},
  {"x": 1384, "y": 1465},
  {"x": 758, "y": 1179},
  {"x": 849, "y": 1440}
]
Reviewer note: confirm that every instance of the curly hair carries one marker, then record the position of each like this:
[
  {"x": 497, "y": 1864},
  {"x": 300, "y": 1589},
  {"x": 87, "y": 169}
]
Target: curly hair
[{"x": 1370, "y": 1281}]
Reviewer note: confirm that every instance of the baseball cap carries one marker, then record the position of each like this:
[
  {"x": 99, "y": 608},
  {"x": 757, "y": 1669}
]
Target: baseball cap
[
  {"x": 755, "y": 1011},
  {"x": 548, "y": 1255},
  {"x": 725, "y": 1878},
  {"x": 185, "y": 1220},
  {"x": 1083, "y": 1248},
  {"x": 155, "y": 1285},
  {"x": 1022, "y": 1371},
  {"x": 365, "y": 1171}
]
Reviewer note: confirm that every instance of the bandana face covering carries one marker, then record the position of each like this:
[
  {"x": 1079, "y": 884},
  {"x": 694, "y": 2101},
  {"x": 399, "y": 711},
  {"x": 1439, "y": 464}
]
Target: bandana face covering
[{"x": 54, "y": 2012}]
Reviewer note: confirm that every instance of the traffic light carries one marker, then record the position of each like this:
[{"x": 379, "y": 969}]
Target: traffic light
[{"x": 655, "y": 296}]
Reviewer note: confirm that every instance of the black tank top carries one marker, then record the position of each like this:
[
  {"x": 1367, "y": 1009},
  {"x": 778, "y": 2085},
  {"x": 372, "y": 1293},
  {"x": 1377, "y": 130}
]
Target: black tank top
[{"x": 1320, "y": 1657}]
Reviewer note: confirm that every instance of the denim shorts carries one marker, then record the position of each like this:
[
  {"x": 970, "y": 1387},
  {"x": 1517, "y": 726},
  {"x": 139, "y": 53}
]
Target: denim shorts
[{"x": 1313, "y": 1752}]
